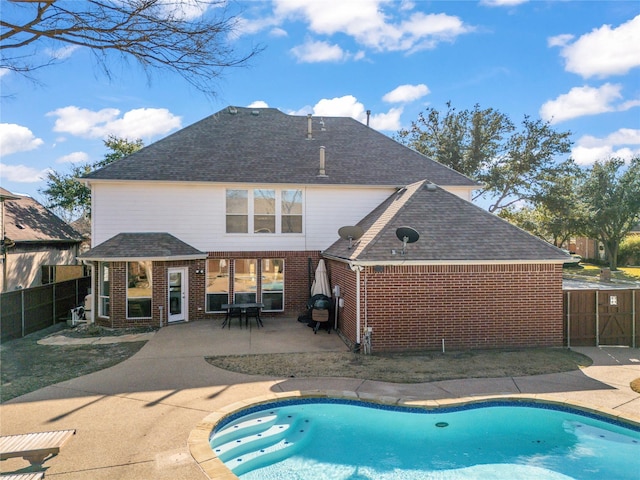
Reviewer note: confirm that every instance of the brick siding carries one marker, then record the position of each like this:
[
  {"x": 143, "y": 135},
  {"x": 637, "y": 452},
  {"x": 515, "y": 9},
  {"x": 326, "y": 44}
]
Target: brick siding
[
  {"x": 296, "y": 289},
  {"x": 469, "y": 306}
]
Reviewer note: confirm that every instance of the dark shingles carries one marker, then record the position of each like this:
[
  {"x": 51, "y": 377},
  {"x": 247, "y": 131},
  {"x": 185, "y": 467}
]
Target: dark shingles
[
  {"x": 152, "y": 245},
  {"x": 272, "y": 147},
  {"x": 451, "y": 230}
]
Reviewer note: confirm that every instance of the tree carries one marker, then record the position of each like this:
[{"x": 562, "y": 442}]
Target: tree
[
  {"x": 190, "y": 38},
  {"x": 611, "y": 193},
  {"x": 511, "y": 164},
  {"x": 69, "y": 197}
]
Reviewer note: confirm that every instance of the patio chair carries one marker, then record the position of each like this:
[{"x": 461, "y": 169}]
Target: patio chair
[
  {"x": 253, "y": 312},
  {"x": 234, "y": 312},
  {"x": 34, "y": 447}
]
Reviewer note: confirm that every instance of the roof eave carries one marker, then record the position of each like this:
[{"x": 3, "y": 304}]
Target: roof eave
[
  {"x": 139, "y": 259},
  {"x": 404, "y": 261}
]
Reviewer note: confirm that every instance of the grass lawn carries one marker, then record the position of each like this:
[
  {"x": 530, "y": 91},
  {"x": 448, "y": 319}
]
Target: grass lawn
[{"x": 590, "y": 270}]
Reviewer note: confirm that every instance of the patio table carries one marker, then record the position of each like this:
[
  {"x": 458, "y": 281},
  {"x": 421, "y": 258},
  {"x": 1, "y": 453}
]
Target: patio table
[{"x": 241, "y": 306}]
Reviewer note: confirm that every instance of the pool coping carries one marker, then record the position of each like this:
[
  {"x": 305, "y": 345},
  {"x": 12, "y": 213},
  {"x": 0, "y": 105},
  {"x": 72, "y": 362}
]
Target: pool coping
[{"x": 215, "y": 468}]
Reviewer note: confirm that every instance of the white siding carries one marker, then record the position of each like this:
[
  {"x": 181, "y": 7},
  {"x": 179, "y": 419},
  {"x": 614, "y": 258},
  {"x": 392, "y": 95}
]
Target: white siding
[{"x": 195, "y": 213}]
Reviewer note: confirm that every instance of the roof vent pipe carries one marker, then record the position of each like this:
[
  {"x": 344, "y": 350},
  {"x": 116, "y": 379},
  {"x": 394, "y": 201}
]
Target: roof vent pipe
[
  {"x": 321, "y": 172},
  {"x": 368, "y": 115},
  {"x": 309, "y": 130}
]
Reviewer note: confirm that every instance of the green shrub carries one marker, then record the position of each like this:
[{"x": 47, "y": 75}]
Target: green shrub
[{"x": 629, "y": 252}]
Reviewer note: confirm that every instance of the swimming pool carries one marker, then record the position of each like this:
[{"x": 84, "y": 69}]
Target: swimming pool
[{"x": 323, "y": 438}]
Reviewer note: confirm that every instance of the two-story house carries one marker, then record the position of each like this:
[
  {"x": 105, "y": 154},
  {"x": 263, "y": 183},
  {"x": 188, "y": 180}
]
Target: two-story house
[{"x": 241, "y": 205}]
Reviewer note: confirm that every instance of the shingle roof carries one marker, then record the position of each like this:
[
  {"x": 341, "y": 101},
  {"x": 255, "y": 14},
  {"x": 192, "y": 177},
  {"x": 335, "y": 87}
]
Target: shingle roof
[
  {"x": 451, "y": 230},
  {"x": 267, "y": 146},
  {"x": 26, "y": 220},
  {"x": 147, "y": 245}
]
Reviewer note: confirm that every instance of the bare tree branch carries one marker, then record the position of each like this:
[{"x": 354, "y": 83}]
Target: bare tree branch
[{"x": 158, "y": 34}]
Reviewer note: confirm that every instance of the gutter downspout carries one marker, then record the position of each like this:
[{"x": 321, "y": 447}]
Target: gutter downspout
[{"x": 357, "y": 269}]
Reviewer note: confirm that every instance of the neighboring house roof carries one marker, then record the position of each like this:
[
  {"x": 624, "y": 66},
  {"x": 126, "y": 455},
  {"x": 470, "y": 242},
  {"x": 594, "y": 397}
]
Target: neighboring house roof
[
  {"x": 264, "y": 145},
  {"x": 26, "y": 220},
  {"x": 451, "y": 230},
  {"x": 148, "y": 246},
  {"x": 7, "y": 195}
]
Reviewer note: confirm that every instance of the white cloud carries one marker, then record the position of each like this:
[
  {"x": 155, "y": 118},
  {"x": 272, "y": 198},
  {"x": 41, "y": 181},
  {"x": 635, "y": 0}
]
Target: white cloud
[
  {"x": 278, "y": 32},
  {"x": 63, "y": 52},
  {"x": 581, "y": 101},
  {"x": 258, "y": 104},
  {"x": 187, "y": 9},
  {"x": 74, "y": 157},
  {"x": 560, "y": 40},
  {"x": 389, "y": 121},
  {"x": 16, "y": 138},
  {"x": 371, "y": 26},
  {"x": 21, "y": 173},
  {"x": 314, "y": 52},
  {"x": 604, "y": 51},
  {"x": 406, "y": 93},
  {"x": 349, "y": 106},
  {"x": 624, "y": 143},
  {"x": 138, "y": 123},
  {"x": 502, "y": 3}
]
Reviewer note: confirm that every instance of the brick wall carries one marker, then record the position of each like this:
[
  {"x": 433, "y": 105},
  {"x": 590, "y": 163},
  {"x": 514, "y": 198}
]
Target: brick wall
[
  {"x": 296, "y": 277},
  {"x": 296, "y": 293},
  {"x": 469, "y": 306}
]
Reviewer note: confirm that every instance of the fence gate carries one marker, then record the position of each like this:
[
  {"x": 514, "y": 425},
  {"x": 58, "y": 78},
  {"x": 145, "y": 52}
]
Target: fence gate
[{"x": 602, "y": 317}]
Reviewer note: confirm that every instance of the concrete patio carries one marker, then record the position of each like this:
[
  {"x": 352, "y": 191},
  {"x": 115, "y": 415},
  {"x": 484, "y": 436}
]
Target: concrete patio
[{"x": 133, "y": 420}]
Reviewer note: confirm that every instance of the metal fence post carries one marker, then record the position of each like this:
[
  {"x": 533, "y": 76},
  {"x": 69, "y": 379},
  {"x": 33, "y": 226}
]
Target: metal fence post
[
  {"x": 22, "y": 311},
  {"x": 597, "y": 321},
  {"x": 54, "y": 304},
  {"x": 568, "y": 319}
]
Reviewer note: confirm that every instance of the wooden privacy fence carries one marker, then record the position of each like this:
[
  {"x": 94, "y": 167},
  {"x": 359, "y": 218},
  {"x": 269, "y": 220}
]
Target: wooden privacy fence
[
  {"x": 31, "y": 309},
  {"x": 602, "y": 317}
]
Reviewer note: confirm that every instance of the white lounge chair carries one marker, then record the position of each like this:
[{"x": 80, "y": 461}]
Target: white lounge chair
[
  {"x": 34, "y": 447},
  {"x": 23, "y": 476}
]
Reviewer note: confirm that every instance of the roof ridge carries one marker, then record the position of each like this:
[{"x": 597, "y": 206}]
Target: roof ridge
[{"x": 392, "y": 211}]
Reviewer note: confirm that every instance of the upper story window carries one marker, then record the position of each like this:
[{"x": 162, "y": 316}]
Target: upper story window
[
  {"x": 291, "y": 201},
  {"x": 264, "y": 211},
  {"x": 237, "y": 211}
]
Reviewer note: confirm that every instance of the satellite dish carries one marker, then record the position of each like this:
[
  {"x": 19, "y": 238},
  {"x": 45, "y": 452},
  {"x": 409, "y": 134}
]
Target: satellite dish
[
  {"x": 407, "y": 235},
  {"x": 350, "y": 233}
]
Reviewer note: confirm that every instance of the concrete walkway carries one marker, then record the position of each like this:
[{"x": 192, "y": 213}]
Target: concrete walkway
[{"x": 133, "y": 420}]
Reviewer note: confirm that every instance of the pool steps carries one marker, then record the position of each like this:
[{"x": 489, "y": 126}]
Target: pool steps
[{"x": 259, "y": 440}]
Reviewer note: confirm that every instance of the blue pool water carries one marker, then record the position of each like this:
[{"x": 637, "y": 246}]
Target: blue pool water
[{"x": 334, "y": 439}]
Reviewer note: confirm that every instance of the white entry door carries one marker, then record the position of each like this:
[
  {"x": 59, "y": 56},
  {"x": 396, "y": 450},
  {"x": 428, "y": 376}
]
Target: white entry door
[{"x": 177, "y": 282}]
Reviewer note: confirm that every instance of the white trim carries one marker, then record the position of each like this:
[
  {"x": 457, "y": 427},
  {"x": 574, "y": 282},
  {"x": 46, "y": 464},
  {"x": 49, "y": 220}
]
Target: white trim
[
  {"x": 141, "y": 259},
  {"x": 373, "y": 263}
]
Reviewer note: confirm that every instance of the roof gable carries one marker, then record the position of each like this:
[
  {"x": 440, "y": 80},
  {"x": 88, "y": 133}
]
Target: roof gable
[
  {"x": 451, "y": 230},
  {"x": 267, "y": 146},
  {"x": 26, "y": 220}
]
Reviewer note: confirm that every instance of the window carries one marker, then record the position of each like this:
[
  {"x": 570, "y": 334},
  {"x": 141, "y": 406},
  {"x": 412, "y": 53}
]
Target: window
[
  {"x": 245, "y": 281},
  {"x": 273, "y": 284},
  {"x": 139, "y": 288},
  {"x": 217, "y": 289},
  {"x": 264, "y": 211},
  {"x": 104, "y": 281},
  {"x": 291, "y": 211},
  {"x": 237, "y": 211},
  {"x": 48, "y": 274}
]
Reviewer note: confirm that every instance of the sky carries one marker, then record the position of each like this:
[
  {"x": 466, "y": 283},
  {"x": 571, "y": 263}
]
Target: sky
[{"x": 574, "y": 64}]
